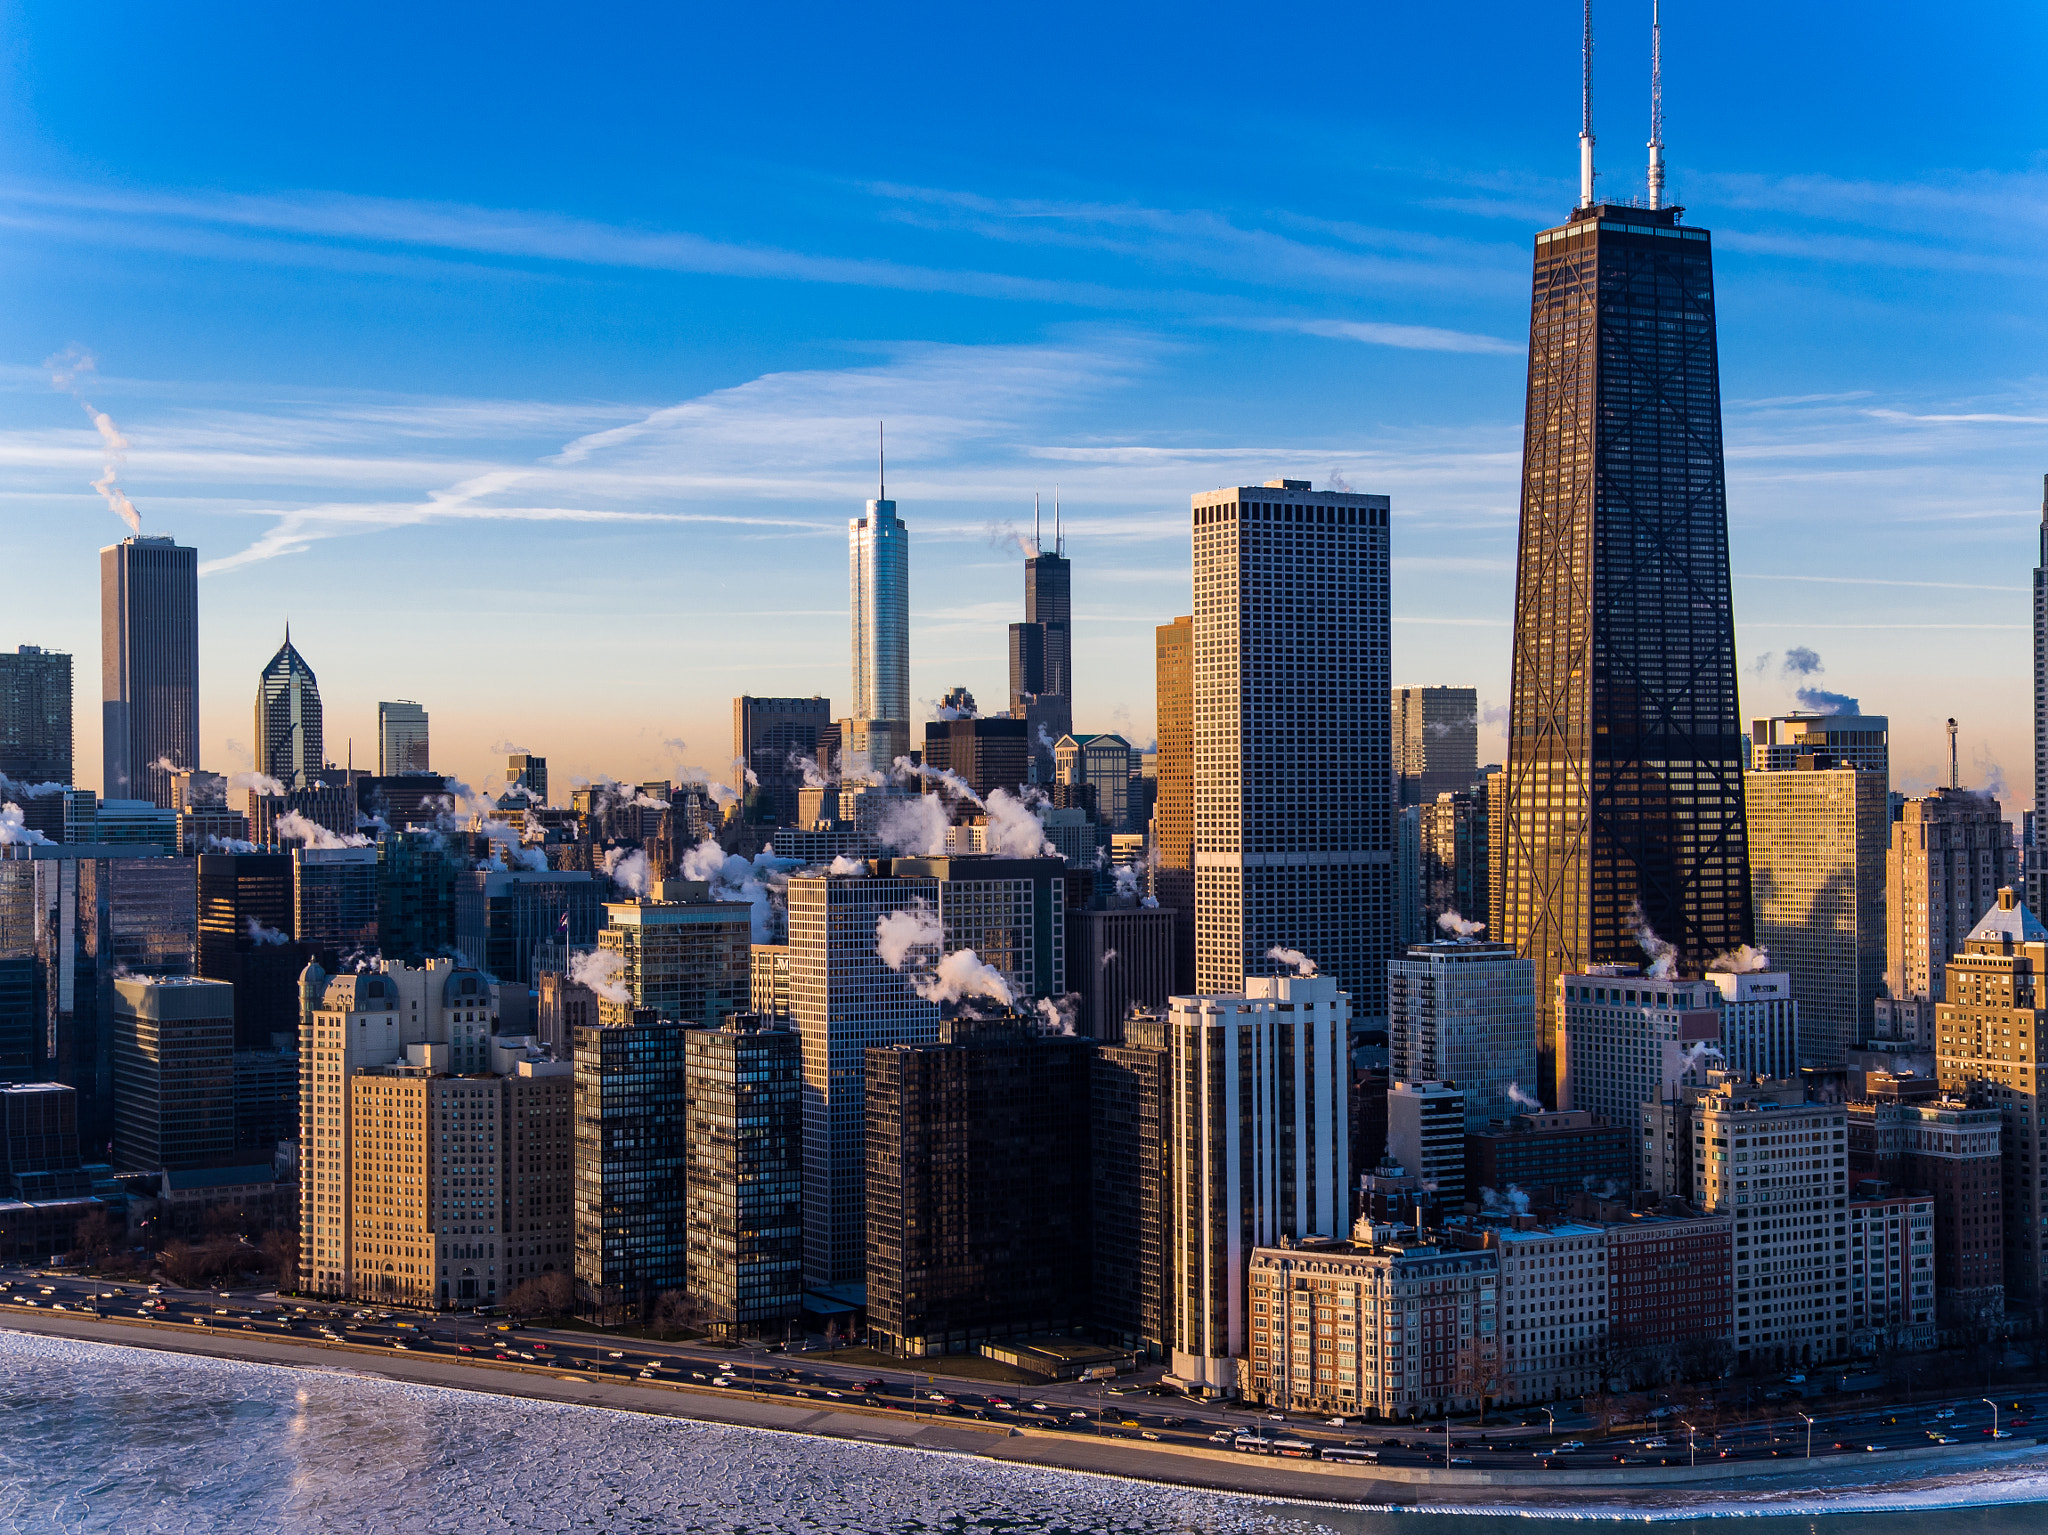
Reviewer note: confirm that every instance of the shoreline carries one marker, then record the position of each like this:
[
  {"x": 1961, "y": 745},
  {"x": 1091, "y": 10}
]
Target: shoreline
[{"x": 1675, "y": 1492}]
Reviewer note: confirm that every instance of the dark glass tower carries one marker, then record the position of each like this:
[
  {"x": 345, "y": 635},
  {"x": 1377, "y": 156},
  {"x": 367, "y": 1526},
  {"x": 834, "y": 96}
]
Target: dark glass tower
[
  {"x": 149, "y": 666},
  {"x": 290, "y": 743},
  {"x": 1623, "y": 802}
]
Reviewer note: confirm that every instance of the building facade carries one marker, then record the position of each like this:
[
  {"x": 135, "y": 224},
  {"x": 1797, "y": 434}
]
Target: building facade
[
  {"x": 1426, "y": 1135},
  {"x": 685, "y": 961},
  {"x": 503, "y": 916},
  {"x": 1173, "y": 811},
  {"x": 1623, "y": 795},
  {"x": 1554, "y": 1308},
  {"x": 403, "y": 743},
  {"x": 1950, "y": 855},
  {"x": 1671, "y": 1289},
  {"x": 1860, "y": 741},
  {"x": 743, "y": 1083},
  {"x": 174, "y": 1073},
  {"x": 1762, "y": 1024},
  {"x": 1464, "y": 1012},
  {"x": 1119, "y": 958},
  {"x": 149, "y": 666},
  {"x": 1628, "y": 1039},
  {"x": 1294, "y": 834},
  {"x": 1564, "y": 1150},
  {"x": 1452, "y": 844},
  {"x": 1892, "y": 1301},
  {"x": 35, "y": 716},
  {"x": 334, "y": 903},
  {"x": 1818, "y": 838},
  {"x": 1131, "y": 1129},
  {"x": 1434, "y": 737},
  {"x": 632, "y": 1206},
  {"x": 245, "y": 921},
  {"x": 1987, "y": 1049},
  {"x": 1258, "y": 1082},
  {"x": 771, "y": 740}
]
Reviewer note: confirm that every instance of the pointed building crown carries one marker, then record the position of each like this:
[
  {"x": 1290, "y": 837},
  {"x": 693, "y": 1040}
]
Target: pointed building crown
[{"x": 2008, "y": 922}]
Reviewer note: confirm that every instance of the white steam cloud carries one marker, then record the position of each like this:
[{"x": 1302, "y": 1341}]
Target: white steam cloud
[
  {"x": 762, "y": 883},
  {"x": 264, "y": 934},
  {"x": 257, "y": 783},
  {"x": 898, "y": 932},
  {"x": 1059, "y": 1013},
  {"x": 14, "y": 830},
  {"x": 629, "y": 870},
  {"x": 960, "y": 975},
  {"x": 1663, "y": 956},
  {"x": 1014, "y": 829},
  {"x": 844, "y": 865},
  {"x": 1458, "y": 926},
  {"x": 294, "y": 827},
  {"x": 1516, "y": 1093},
  {"x": 1302, "y": 964},
  {"x": 915, "y": 825},
  {"x": 67, "y": 370},
  {"x": 1745, "y": 960},
  {"x": 599, "y": 970}
]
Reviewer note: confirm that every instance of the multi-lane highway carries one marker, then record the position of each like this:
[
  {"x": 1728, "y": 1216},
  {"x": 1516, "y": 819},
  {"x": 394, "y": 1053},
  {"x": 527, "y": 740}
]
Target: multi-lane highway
[{"x": 1101, "y": 1408}]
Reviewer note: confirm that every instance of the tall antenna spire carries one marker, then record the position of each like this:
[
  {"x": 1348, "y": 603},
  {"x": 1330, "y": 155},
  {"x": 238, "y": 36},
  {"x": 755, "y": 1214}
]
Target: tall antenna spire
[
  {"x": 882, "y": 461},
  {"x": 1036, "y": 546},
  {"x": 1586, "y": 113},
  {"x": 1059, "y": 539},
  {"x": 1656, "y": 109}
]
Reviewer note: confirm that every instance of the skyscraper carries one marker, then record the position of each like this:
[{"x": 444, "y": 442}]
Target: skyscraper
[
  {"x": 1293, "y": 801},
  {"x": 1465, "y": 1012},
  {"x": 290, "y": 743},
  {"x": 771, "y": 737},
  {"x": 879, "y": 553},
  {"x": 1853, "y": 740},
  {"x": 401, "y": 739},
  {"x": 1173, "y": 813},
  {"x": 1623, "y": 802},
  {"x": 1049, "y": 602},
  {"x": 2037, "y": 866},
  {"x": 1950, "y": 854},
  {"x": 174, "y": 1073},
  {"x": 526, "y": 771},
  {"x": 149, "y": 666},
  {"x": 35, "y": 716},
  {"x": 1435, "y": 739}
]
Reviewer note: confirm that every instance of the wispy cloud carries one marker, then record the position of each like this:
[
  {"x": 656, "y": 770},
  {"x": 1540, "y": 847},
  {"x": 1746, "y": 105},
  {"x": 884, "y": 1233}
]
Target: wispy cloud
[{"x": 1415, "y": 338}]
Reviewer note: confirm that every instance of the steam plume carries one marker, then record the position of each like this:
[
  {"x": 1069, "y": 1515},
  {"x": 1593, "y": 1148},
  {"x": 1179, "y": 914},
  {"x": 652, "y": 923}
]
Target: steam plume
[
  {"x": 294, "y": 827},
  {"x": 916, "y": 826},
  {"x": 265, "y": 935},
  {"x": 898, "y": 932},
  {"x": 1014, "y": 829},
  {"x": 844, "y": 865},
  {"x": 1742, "y": 961},
  {"x": 66, "y": 371},
  {"x": 1663, "y": 956},
  {"x": 1059, "y": 1013},
  {"x": 1516, "y": 1093},
  {"x": 600, "y": 969},
  {"x": 629, "y": 870},
  {"x": 14, "y": 831},
  {"x": 960, "y": 975},
  {"x": 257, "y": 783},
  {"x": 1460, "y": 927},
  {"x": 1302, "y": 964}
]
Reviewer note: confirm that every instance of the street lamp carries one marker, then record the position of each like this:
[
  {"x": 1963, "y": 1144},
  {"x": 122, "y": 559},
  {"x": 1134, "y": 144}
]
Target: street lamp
[
  {"x": 1994, "y": 1414},
  {"x": 1809, "y": 1434},
  {"x": 1551, "y": 1416},
  {"x": 1691, "y": 1448}
]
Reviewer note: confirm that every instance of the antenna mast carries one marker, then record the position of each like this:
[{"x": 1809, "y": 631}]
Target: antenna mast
[
  {"x": 1656, "y": 109},
  {"x": 1586, "y": 113},
  {"x": 1059, "y": 539},
  {"x": 882, "y": 464},
  {"x": 1037, "y": 547},
  {"x": 1955, "y": 777}
]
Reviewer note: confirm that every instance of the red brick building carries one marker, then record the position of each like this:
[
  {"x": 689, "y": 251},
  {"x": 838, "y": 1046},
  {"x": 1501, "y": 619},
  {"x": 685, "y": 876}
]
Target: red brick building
[{"x": 1671, "y": 1280}]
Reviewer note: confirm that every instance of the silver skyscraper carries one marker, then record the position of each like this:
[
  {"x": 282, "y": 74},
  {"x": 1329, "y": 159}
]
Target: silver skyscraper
[
  {"x": 2037, "y": 874},
  {"x": 879, "y": 565}
]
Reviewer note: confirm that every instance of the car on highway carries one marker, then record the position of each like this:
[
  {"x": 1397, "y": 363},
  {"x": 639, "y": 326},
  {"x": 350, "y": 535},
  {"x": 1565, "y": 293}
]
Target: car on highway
[{"x": 1946, "y": 1412}]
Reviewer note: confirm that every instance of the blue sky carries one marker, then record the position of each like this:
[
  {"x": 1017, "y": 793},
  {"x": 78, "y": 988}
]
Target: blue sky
[{"x": 528, "y": 359}]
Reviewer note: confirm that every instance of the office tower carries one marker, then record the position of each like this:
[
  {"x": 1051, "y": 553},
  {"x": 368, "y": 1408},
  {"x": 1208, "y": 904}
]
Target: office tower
[
  {"x": 879, "y": 552},
  {"x": 1562, "y": 1151},
  {"x": 329, "y": 805},
  {"x": 39, "y": 1143},
  {"x": 1988, "y": 1041},
  {"x": 22, "y": 1042},
  {"x": 1623, "y": 799},
  {"x": 1952, "y": 1150},
  {"x": 632, "y": 1166},
  {"x": 683, "y": 961},
  {"x": 1496, "y": 852},
  {"x": 1786, "y": 1185},
  {"x": 743, "y": 1083},
  {"x": 503, "y": 915},
  {"x": 1173, "y": 816},
  {"x": 410, "y": 800},
  {"x": 1626, "y": 1039},
  {"x": 1894, "y": 1304},
  {"x": 1426, "y": 1135},
  {"x": 197, "y": 789},
  {"x": 768, "y": 973},
  {"x": 1452, "y": 836},
  {"x": 135, "y": 823},
  {"x": 174, "y": 1073},
  {"x": 245, "y": 921},
  {"x": 1027, "y": 666},
  {"x": 1407, "y": 877},
  {"x": 1119, "y": 958},
  {"x": 60, "y": 814},
  {"x": 1553, "y": 1306},
  {"x": 1049, "y": 604},
  {"x": 266, "y": 1099},
  {"x": 416, "y": 875},
  {"x": 334, "y": 904},
  {"x": 402, "y": 739},
  {"x": 771, "y": 737},
  {"x": 1465, "y": 1012},
  {"x": 1293, "y": 812},
  {"x": 1130, "y": 1130},
  {"x": 1434, "y": 737},
  {"x": 990, "y": 753},
  {"x": 2037, "y": 865},
  {"x": 1010, "y": 911},
  {"x": 358, "y": 1145},
  {"x": 1671, "y": 1289},
  {"x": 1859, "y": 741},
  {"x": 35, "y": 716},
  {"x": 1446, "y": 1357},
  {"x": 526, "y": 771},
  {"x": 846, "y": 1001},
  {"x": 977, "y": 1186},
  {"x": 1763, "y": 1024},
  {"x": 1817, "y": 848},
  {"x": 291, "y": 743},
  {"x": 1257, "y": 1081},
  {"x": 1949, "y": 858},
  {"x": 1103, "y": 762},
  {"x": 149, "y": 665}
]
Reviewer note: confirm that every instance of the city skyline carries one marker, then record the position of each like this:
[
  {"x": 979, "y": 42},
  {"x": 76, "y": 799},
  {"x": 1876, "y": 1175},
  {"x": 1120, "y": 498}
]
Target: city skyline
[{"x": 1023, "y": 322}]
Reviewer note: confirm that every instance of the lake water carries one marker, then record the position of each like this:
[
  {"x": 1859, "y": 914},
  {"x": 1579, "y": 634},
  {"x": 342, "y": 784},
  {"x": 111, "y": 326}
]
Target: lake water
[{"x": 96, "y": 1437}]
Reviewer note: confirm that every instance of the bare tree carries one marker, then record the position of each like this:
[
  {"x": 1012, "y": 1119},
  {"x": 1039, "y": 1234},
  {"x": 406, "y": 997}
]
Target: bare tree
[
  {"x": 675, "y": 1313},
  {"x": 97, "y": 1237},
  {"x": 550, "y": 1294}
]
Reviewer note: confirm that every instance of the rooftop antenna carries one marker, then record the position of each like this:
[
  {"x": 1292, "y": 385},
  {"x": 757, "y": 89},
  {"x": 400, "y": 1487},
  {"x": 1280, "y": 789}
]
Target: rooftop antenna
[
  {"x": 1059, "y": 539},
  {"x": 882, "y": 461},
  {"x": 1036, "y": 546},
  {"x": 1656, "y": 109},
  {"x": 1586, "y": 113},
  {"x": 1955, "y": 780}
]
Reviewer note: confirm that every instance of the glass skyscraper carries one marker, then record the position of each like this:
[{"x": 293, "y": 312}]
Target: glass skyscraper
[
  {"x": 1623, "y": 787},
  {"x": 149, "y": 666},
  {"x": 879, "y": 567},
  {"x": 290, "y": 744}
]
